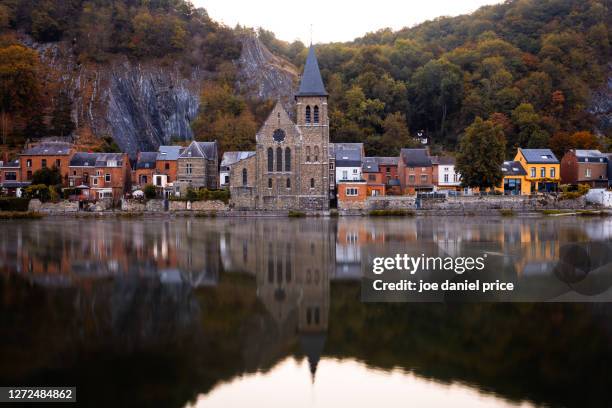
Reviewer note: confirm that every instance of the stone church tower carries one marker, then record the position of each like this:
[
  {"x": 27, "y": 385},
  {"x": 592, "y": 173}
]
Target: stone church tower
[{"x": 290, "y": 167}]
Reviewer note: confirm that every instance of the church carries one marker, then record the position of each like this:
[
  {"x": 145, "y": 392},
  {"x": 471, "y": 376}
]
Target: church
[{"x": 290, "y": 167}]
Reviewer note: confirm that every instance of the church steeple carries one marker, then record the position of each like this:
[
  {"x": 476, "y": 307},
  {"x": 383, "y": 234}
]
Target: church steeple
[{"x": 312, "y": 83}]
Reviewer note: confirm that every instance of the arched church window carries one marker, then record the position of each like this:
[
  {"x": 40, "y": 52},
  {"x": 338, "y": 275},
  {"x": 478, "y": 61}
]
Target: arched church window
[
  {"x": 244, "y": 177},
  {"x": 279, "y": 159},
  {"x": 287, "y": 159},
  {"x": 316, "y": 315},
  {"x": 270, "y": 159},
  {"x": 288, "y": 183},
  {"x": 308, "y": 114},
  {"x": 269, "y": 183},
  {"x": 307, "y": 154},
  {"x": 312, "y": 183},
  {"x": 316, "y": 114},
  {"x": 316, "y": 153}
]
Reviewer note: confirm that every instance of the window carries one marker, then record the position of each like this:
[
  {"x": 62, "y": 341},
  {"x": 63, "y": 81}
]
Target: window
[
  {"x": 10, "y": 176},
  {"x": 371, "y": 177},
  {"x": 552, "y": 173},
  {"x": 543, "y": 172},
  {"x": 143, "y": 179},
  {"x": 354, "y": 171},
  {"x": 287, "y": 159},
  {"x": 167, "y": 166},
  {"x": 98, "y": 173},
  {"x": 316, "y": 114},
  {"x": 95, "y": 181},
  {"x": 226, "y": 179},
  {"x": 423, "y": 178},
  {"x": 158, "y": 181},
  {"x": 308, "y": 114},
  {"x": 312, "y": 183},
  {"x": 344, "y": 174},
  {"x": 533, "y": 172},
  {"x": 288, "y": 183},
  {"x": 307, "y": 154},
  {"x": 587, "y": 172},
  {"x": 446, "y": 178},
  {"x": 279, "y": 159},
  {"x": 316, "y": 153},
  {"x": 244, "y": 177},
  {"x": 189, "y": 169},
  {"x": 29, "y": 163},
  {"x": 270, "y": 159},
  {"x": 107, "y": 178},
  {"x": 411, "y": 179},
  {"x": 44, "y": 162},
  {"x": 351, "y": 192},
  {"x": 269, "y": 183},
  {"x": 29, "y": 175},
  {"x": 74, "y": 173},
  {"x": 58, "y": 163}
]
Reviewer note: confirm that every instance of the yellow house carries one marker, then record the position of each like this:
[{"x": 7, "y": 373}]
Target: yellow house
[
  {"x": 542, "y": 167},
  {"x": 515, "y": 181}
]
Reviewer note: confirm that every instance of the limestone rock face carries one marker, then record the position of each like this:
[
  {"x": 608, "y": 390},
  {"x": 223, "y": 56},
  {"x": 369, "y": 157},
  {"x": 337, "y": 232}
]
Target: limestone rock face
[
  {"x": 145, "y": 104},
  {"x": 601, "y": 105}
]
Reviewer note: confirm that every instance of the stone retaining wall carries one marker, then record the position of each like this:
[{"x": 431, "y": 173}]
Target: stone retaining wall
[
  {"x": 59, "y": 207},
  {"x": 476, "y": 203}
]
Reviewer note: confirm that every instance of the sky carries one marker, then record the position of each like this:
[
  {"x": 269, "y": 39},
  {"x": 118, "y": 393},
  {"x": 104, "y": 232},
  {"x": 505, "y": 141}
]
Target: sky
[{"x": 333, "y": 20}]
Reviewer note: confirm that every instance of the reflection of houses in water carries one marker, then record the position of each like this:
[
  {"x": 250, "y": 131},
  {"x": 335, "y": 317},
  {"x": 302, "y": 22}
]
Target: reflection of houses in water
[{"x": 108, "y": 248}]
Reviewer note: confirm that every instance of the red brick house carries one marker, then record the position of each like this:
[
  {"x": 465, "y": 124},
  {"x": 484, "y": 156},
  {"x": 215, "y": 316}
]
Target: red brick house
[
  {"x": 144, "y": 169},
  {"x": 108, "y": 175},
  {"x": 585, "y": 167},
  {"x": 415, "y": 171},
  {"x": 46, "y": 154}
]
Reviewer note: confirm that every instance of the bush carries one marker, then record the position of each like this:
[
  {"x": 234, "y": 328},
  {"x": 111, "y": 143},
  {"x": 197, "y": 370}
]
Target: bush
[
  {"x": 20, "y": 215},
  {"x": 391, "y": 213},
  {"x": 191, "y": 195},
  {"x": 214, "y": 195},
  {"x": 150, "y": 191},
  {"x": 40, "y": 191},
  {"x": 572, "y": 192},
  {"x": 506, "y": 212},
  {"x": 14, "y": 204},
  {"x": 296, "y": 214}
]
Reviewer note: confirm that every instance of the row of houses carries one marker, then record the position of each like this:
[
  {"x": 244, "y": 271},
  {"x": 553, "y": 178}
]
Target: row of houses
[{"x": 93, "y": 176}]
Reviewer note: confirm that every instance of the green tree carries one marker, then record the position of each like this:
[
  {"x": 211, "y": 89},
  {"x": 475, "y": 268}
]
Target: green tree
[
  {"x": 47, "y": 176},
  {"x": 61, "y": 121},
  {"x": 481, "y": 154}
]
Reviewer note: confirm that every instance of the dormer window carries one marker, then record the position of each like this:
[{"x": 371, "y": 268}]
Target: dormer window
[{"x": 308, "y": 114}]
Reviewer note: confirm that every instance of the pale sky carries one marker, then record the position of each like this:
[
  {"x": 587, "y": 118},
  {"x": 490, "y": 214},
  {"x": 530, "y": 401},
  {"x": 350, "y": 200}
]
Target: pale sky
[{"x": 333, "y": 20}]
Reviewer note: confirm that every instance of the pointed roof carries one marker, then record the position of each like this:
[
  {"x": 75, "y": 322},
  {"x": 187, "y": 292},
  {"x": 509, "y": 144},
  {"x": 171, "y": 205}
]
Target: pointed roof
[{"x": 312, "y": 83}]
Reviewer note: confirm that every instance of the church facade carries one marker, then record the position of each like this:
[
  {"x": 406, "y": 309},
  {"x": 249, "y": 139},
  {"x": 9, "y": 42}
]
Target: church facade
[{"x": 290, "y": 167}]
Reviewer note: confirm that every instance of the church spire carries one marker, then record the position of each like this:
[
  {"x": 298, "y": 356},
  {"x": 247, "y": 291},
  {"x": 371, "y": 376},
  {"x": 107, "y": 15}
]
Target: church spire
[{"x": 312, "y": 83}]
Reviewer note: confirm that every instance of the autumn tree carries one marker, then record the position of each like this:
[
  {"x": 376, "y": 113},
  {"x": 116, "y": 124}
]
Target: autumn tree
[{"x": 481, "y": 154}]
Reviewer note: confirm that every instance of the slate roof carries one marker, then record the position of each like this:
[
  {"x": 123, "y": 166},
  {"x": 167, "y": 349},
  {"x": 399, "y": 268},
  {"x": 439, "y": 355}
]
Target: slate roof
[
  {"x": 539, "y": 156},
  {"x": 446, "y": 161},
  {"x": 82, "y": 159},
  {"x": 348, "y": 154},
  {"x": 9, "y": 164},
  {"x": 146, "y": 160},
  {"x": 416, "y": 157},
  {"x": 169, "y": 152},
  {"x": 206, "y": 150},
  {"x": 49, "y": 149},
  {"x": 513, "y": 168},
  {"x": 370, "y": 165},
  {"x": 593, "y": 156},
  {"x": 387, "y": 161},
  {"x": 230, "y": 158},
  {"x": 312, "y": 83}
]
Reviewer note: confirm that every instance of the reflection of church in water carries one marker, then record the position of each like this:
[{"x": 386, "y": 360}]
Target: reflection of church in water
[{"x": 293, "y": 276}]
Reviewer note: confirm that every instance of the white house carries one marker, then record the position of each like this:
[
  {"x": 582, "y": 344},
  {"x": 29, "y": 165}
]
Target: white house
[{"x": 348, "y": 161}]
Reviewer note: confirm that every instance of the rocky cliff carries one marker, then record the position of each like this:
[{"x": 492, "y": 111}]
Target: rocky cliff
[
  {"x": 143, "y": 105},
  {"x": 601, "y": 106}
]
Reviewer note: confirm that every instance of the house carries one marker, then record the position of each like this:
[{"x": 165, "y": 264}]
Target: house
[
  {"x": 348, "y": 159},
  {"x": 444, "y": 175},
  {"x": 415, "y": 171},
  {"x": 515, "y": 179},
  {"x": 543, "y": 169},
  {"x": 374, "y": 177},
  {"x": 198, "y": 165},
  {"x": 167, "y": 165},
  {"x": 230, "y": 158},
  {"x": 585, "y": 167},
  {"x": 10, "y": 178},
  {"x": 107, "y": 175},
  {"x": 388, "y": 168},
  {"x": 352, "y": 194},
  {"x": 46, "y": 154},
  {"x": 145, "y": 167}
]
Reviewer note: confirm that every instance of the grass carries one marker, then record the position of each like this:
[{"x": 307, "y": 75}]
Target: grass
[
  {"x": 507, "y": 212},
  {"x": 296, "y": 214},
  {"x": 20, "y": 215},
  {"x": 554, "y": 212},
  {"x": 391, "y": 213}
]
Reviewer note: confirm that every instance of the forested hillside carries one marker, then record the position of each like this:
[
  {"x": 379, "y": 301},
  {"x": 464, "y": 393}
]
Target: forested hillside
[{"x": 529, "y": 65}]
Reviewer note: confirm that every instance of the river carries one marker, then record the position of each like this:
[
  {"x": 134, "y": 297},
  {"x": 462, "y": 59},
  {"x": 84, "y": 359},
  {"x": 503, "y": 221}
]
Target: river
[{"x": 267, "y": 312}]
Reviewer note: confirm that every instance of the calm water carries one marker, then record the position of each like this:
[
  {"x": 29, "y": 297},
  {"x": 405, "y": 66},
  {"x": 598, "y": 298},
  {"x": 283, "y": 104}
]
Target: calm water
[{"x": 267, "y": 312}]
